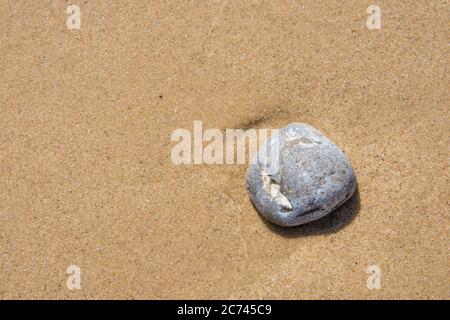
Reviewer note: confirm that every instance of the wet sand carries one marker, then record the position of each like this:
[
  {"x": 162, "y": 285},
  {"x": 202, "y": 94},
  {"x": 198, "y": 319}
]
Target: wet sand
[{"x": 86, "y": 176}]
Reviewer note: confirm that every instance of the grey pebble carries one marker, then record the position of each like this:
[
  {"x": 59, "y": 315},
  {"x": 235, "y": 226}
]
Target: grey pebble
[{"x": 308, "y": 179}]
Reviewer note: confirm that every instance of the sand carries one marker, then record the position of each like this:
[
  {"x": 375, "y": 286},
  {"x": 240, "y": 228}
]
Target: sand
[{"x": 86, "y": 176}]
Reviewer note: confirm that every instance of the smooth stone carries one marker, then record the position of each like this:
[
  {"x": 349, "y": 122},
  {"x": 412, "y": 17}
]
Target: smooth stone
[{"x": 311, "y": 177}]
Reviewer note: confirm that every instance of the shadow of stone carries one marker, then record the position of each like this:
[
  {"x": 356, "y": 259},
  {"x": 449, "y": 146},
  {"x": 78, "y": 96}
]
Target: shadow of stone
[{"x": 329, "y": 224}]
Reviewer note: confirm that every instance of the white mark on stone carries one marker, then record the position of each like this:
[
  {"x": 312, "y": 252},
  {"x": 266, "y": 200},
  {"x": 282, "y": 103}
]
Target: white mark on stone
[
  {"x": 291, "y": 135},
  {"x": 273, "y": 189},
  {"x": 304, "y": 140}
]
